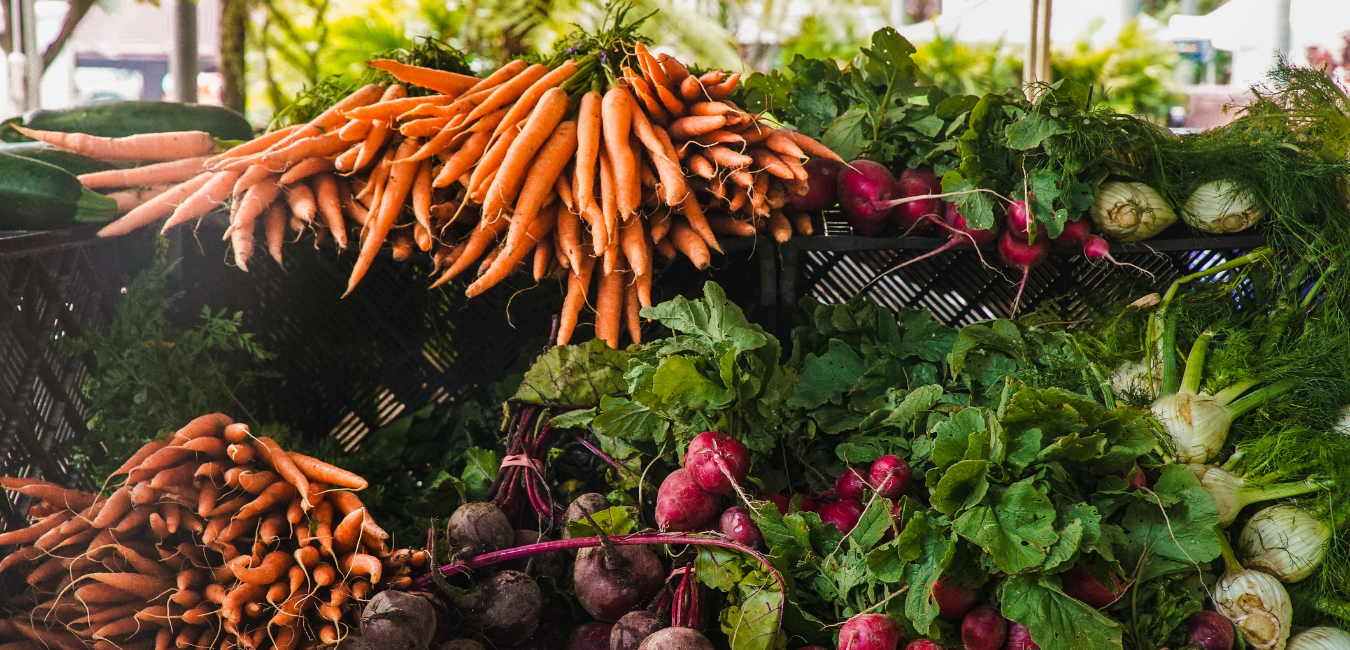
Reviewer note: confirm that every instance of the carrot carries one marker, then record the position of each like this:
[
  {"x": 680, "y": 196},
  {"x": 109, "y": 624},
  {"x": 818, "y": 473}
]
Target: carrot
[
  {"x": 463, "y": 159},
  {"x": 177, "y": 475},
  {"x": 608, "y": 203},
  {"x": 691, "y": 89},
  {"x": 326, "y": 195},
  {"x": 694, "y": 215},
  {"x": 233, "y": 608},
  {"x": 421, "y": 197},
  {"x": 142, "y": 147},
  {"x": 277, "y": 493},
  {"x": 689, "y": 243},
  {"x": 273, "y": 455},
  {"x": 771, "y": 163},
  {"x": 719, "y": 91},
  {"x": 269, "y": 570},
  {"x": 301, "y": 201},
  {"x": 250, "y": 177},
  {"x": 532, "y": 95},
  {"x": 650, "y": 67},
  {"x": 347, "y": 534},
  {"x": 54, "y": 494},
  {"x": 361, "y": 564},
  {"x": 569, "y": 238},
  {"x": 617, "y": 114},
  {"x": 317, "y": 470},
  {"x": 235, "y": 433},
  {"x": 305, "y": 169},
  {"x": 540, "y": 129},
  {"x": 609, "y": 307},
  {"x": 779, "y": 226},
  {"x": 379, "y": 132},
  {"x": 401, "y": 180},
  {"x": 563, "y": 186},
  {"x": 588, "y": 149},
  {"x": 717, "y": 136},
  {"x": 175, "y": 171},
  {"x": 633, "y": 240},
  {"x": 671, "y": 102},
  {"x": 31, "y": 534},
  {"x": 725, "y": 224},
  {"x": 256, "y": 145},
  {"x": 478, "y": 243},
  {"x": 725, "y": 157},
  {"x": 137, "y": 585},
  {"x": 441, "y": 81},
  {"x": 674, "y": 70},
  {"x": 318, "y": 146},
  {"x": 663, "y": 156},
  {"x": 506, "y": 263},
  {"x": 810, "y": 146},
  {"x": 160, "y": 206},
  {"x": 647, "y": 96},
  {"x": 686, "y": 128},
  {"x": 255, "y": 482},
  {"x": 509, "y": 91},
  {"x": 334, "y": 117},
  {"x": 390, "y": 107},
  {"x": 274, "y": 225},
  {"x": 543, "y": 257},
  {"x": 130, "y": 199},
  {"x": 543, "y": 173},
  {"x": 479, "y": 181},
  {"x": 355, "y": 130},
  {"x": 700, "y": 166},
  {"x": 423, "y": 128},
  {"x": 46, "y": 638},
  {"x": 325, "y": 574},
  {"x": 631, "y": 309},
  {"x": 347, "y": 502}
]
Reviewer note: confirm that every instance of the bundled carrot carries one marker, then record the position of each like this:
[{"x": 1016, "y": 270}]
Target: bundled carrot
[
  {"x": 530, "y": 169},
  {"x": 215, "y": 537}
]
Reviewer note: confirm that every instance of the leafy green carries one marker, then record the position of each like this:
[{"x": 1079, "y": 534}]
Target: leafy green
[
  {"x": 1057, "y": 621},
  {"x": 578, "y": 375}
]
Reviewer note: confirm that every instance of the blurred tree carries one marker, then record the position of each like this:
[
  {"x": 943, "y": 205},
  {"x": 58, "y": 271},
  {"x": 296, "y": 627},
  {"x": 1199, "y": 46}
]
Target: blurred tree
[
  {"x": 968, "y": 68},
  {"x": 819, "y": 39}
]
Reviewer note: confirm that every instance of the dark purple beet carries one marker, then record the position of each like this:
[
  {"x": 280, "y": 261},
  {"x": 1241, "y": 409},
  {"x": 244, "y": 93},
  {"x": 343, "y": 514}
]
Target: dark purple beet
[
  {"x": 676, "y": 638},
  {"x": 870, "y": 632},
  {"x": 633, "y": 629},
  {"x": 843, "y": 514},
  {"x": 889, "y": 476},
  {"x": 1209, "y": 630},
  {"x": 611, "y": 581},
  {"x": 738, "y": 525},
  {"x": 822, "y": 180},
  {"x": 590, "y": 636},
  {"x": 923, "y": 644},
  {"x": 399, "y": 621},
  {"x": 984, "y": 628},
  {"x": 1079, "y": 583},
  {"x": 586, "y": 504},
  {"x": 509, "y": 605},
  {"x": 850, "y": 484},
  {"x": 683, "y": 506},
  {"x": 1019, "y": 638},
  {"x": 954, "y": 599},
  {"x": 864, "y": 189}
]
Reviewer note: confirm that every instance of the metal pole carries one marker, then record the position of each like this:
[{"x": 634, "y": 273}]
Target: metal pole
[
  {"x": 34, "y": 67},
  {"x": 183, "y": 61},
  {"x": 1282, "y": 36}
]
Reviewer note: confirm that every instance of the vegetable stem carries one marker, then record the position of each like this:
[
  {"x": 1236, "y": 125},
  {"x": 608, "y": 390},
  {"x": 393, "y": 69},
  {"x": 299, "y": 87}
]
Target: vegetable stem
[
  {"x": 1260, "y": 396},
  {"x": 1171, "y": 377},
  {"x": 1227, "y": 395},
  {"x": 1195, "y": 364}
]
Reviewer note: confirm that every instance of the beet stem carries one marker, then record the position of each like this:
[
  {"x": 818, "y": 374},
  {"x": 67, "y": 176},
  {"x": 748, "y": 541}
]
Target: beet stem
[
  {"x": 950, "y": 243},
  {"x": 612, "y": 560},
  {"x": 603, "y": 456},
  {"x": 894, "y": 202}
]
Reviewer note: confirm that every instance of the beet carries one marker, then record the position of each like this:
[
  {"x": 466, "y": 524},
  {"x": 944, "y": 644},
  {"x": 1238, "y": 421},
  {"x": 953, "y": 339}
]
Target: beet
[
  {"x": 822, "y": 185},
  {"x": 917, "y": 182},
  {"x": 553, "y": 563},
  {"x": 984, "y": 628},
  {"x": 864, "y": 188},
  {"x": 1209, "y": 630},
  {"x": 586, "y": 504},
  {"x": 676, "y": 638},
  {"x": 508, "y": 609},
  {"x": 737, "y": 524},
  {"x": 633, "y": 629},
  {"x": 843, "y": 514},
  {"x": 712, "y": 456},
  {"x": 683, "y": 506},
  {"x": 889, "y": 476},
  {"x": 611, "y": 581},
  {"x": 1079, "y": 583},
  {"x": 954, "y": 599},
  {"x": 779, "y": 501},
  {"x": 1019, "y": 638},
  {"x": 355, "y": 642},
  {"x": 395, "y": 620},
  {"x": 463, "y": 644},
  {"x": 870, "y": 632},
  {"x": 590, "y": 636},
  {"x": 478, "y": 528},
  {"x": 923, "y": 644},
  {"x": 850, "y": 484}
]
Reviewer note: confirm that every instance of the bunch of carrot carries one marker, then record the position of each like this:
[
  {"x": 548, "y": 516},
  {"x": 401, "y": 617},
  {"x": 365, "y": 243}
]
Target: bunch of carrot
[
  {"x": 215, "y": 539},
  {"x": 521, "y": 170}
]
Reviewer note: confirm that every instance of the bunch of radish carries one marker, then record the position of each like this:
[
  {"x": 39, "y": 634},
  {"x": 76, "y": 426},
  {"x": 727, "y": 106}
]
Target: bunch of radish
[{"x": 216, "y": 539}]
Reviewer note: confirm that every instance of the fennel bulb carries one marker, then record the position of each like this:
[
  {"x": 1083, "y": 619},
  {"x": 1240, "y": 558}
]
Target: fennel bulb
[
  {"x": 1344, "y": 425},
  {"x": 1130, "y": 212},
  {"x": 1232, "y": 494},
  {"x": 1320, "y": 638},
  {"x": 1285, "y": 541},
  {"x": 1219, "y": 207},
  {"x": 1258, "y": 606}
]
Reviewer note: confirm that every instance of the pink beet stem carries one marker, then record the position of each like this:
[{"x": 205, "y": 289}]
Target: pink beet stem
[
  {"x": 894, "y": 202},
  {"x": 950, "y": 243}
]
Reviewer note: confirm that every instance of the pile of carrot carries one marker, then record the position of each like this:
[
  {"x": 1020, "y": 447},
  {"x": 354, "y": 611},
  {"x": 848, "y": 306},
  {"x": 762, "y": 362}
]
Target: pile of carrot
[
  {"x": 215, "y": 539},
  {"x": 506, "y": 173}
]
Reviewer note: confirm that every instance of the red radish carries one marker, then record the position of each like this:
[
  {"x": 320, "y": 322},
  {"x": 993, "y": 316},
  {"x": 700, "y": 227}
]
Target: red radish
[
  {"x": 1074, "y": 234},
  {"x": 984, "y": 628},
  {"x": 683, "y": 506},
  {"x": 954, "y": 599},
  {"x": 1096, "y": 248},
  {"x": 889, "y": 476},
  {"x": 1018, "y": 254},
  {"x": 923, "y": 644},
  {"x": 589, "y": 636},
  {"x": 850, "y": 484},
  {"x": 843, "y": 514},
  {"x": 717, "y": 462},
  {"x": 779, "y": 501},
  {"x": 808, "y": 504},
  {"x": 1020, "y": 218},
  {"x": 1019, "y": 638},
  {"x": 1079, "y": 583},
  {"x": 1135, "y": 476},
  {"x": 822, "y": 183},
  {"x": 738, "y": 525},
  {"x": 813, "y": 647},
  {"x": 960, "y": 233},
  {"x": 870, "y": 632},
  {"x": 1209, "y": 630},
  {"x": 917, "y": 182},
  {"x": 864, "y": 188}
]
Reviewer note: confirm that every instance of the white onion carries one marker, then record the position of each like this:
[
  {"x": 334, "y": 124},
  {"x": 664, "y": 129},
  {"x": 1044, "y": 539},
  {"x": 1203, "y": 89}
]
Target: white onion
[
  {"x": 1285, "y": 541},
  {"x": 1258, "y": 606},
  {"x": 1219, "y": 207},
  {"x": 1130, "y": 212}
]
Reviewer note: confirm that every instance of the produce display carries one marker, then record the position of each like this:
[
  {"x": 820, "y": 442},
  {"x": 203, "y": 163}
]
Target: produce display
[{"x": 215, "y": 538}]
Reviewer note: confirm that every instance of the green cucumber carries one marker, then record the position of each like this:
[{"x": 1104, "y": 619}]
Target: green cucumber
[
  {"x": 69, "y": 161},
  {"x": 35, "y": 195},
  {"x": 120, "y": 119}
]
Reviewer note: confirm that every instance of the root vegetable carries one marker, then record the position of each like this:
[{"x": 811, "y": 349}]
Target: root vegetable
[
  {"x": 589, "y": 636},
  {"x": 1075, "y": 234},
  {"x": 509, "y": 604},
  {"x": 779, "y": 501},
  {"x": 477, "y": 528},
  {"x": 850, "y": 484},
  {"x": 676, "y": 638},
  {"x": 889, "y": 476},
  {"x": 870, "y": 632},
  {"x": 984, "y": 628},
  {"x": 1019, "y": 638},
  {"x": 1079, "y": 582},
  {"x": 716, "y": 460},
  {"x": 1209, "y": 630},
  {"x": 954, "y": 600},
  {"x": 737, "y": 524},
  {"x": 586, "y": 504},
  {"x": 1020, "y": 220},
  {"x": 394, "y": 620},
  {"x": 822, "y": 185},
  {"x": 843, "y": 514},
  {"x": 864, "y": 187},
  {"x": 633, "y": 629},
  {"x": 923, "y": 644},
  {"x": 681, "y": 505},
  {"x": 917, "y": 182},
  {"x": 460, "y": 644},
  {"x": 1018, "y": 254},
  {"x": 611, "y": 581},
  {"x": 544, "y": 564}
]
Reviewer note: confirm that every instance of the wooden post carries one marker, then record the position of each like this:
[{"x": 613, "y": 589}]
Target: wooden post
[
  {"x": 1029, "y": 68},
  {"x": 183, "y": 61}
]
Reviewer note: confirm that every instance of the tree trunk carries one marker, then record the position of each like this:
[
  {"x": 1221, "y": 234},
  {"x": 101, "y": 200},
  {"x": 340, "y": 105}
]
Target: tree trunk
[{"x": 234, "y": 27}]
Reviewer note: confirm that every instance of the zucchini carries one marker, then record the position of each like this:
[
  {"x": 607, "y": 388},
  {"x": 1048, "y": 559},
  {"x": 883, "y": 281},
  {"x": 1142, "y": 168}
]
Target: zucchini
[
  {"x": 35, "y": 195},
  {"x": 69, "y": 161},
  {"x": 120, "y": 119}
]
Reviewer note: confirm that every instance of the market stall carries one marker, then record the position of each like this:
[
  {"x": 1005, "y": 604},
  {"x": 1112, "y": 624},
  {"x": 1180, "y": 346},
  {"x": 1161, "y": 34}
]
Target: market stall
[{"x": 820, "y": 358}]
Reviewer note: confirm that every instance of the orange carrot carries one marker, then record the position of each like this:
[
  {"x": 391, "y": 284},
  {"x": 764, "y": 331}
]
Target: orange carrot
[
  {"x": 633, "y": 239},
  {"x": 377, "y": 228},
  {"x": 671, "y": 102},
  {"x": 462, "y": 160},
  {"x": 771, "y": 163},
  {"x": 539, "y": 128},
  {"x": 137, "y": 585},
  {"x": 256, "y": 145},
  {"x": 272, "y": 453},
  {"x": 355, "y": 130},
  {"x": 810, "y": 146},
  {"x": 717, "y": 136},
  {"x": 725, "y": 157},
  {"x": 347, "y": 534},
  {"x": 663, "y": 157},
  {"x": 588, "y": 149},
  {"x": 446, "y": 83},
  {"x": 277, "y": 493},
  {"x": 300, "y": 199},
  {"x": 501, "y": 75},
  {"x": 608, "y": 203},
  {"x": 305, "y": 169},
  {"x": 522, "y": 106},
  {"x": 724, "y": 89},
  {"x": 543, "y": 256},
  {"x": 205, "y": 199},
  {"x": 647, "y": 96},
  {"x": 609, "y": 307},
  {"x": 691, "y": 89},
  {"x": 130, "y": 199},
  {"x": 155, "y": 208},
  {"x": 24, "y": 536},
  {"x": 673, "y": 68},
  {"x": 423, "y": 128},
  {"x": 540, "y": 179},
  {"x": 617, "y": 114},
  {"x": 326, "y": 195},
  {"x": 725, "y": 224},
  {"x": 508, "y": 91},
  {"x": 334, "y": 117},
  {"x": 317, "y": 470},
  {"x": 478, "y": 243},
  {"x": 651, "y": 68},
  {"x": 686, "y": 128},
  {"x": 390, "y": 107},
  {"x": 328, "y": 144},
  {"x": 379, "y": 131},
  {"x": 255, "y": 482},
  {"x": 175, "y": 171},
  {"x": 250, "y": 208},
  {"x": 509, "y": 260},
  {"x": 690, "y": 244},
  {"x": 569, "y": 238},
  {"x": 487, "y": 166},
  {"x": 269, "y": 570},
  {"x": 360, "y": 564},
  {"x": 631, "y": 309},
  {"x": 142, "y": 147}
]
